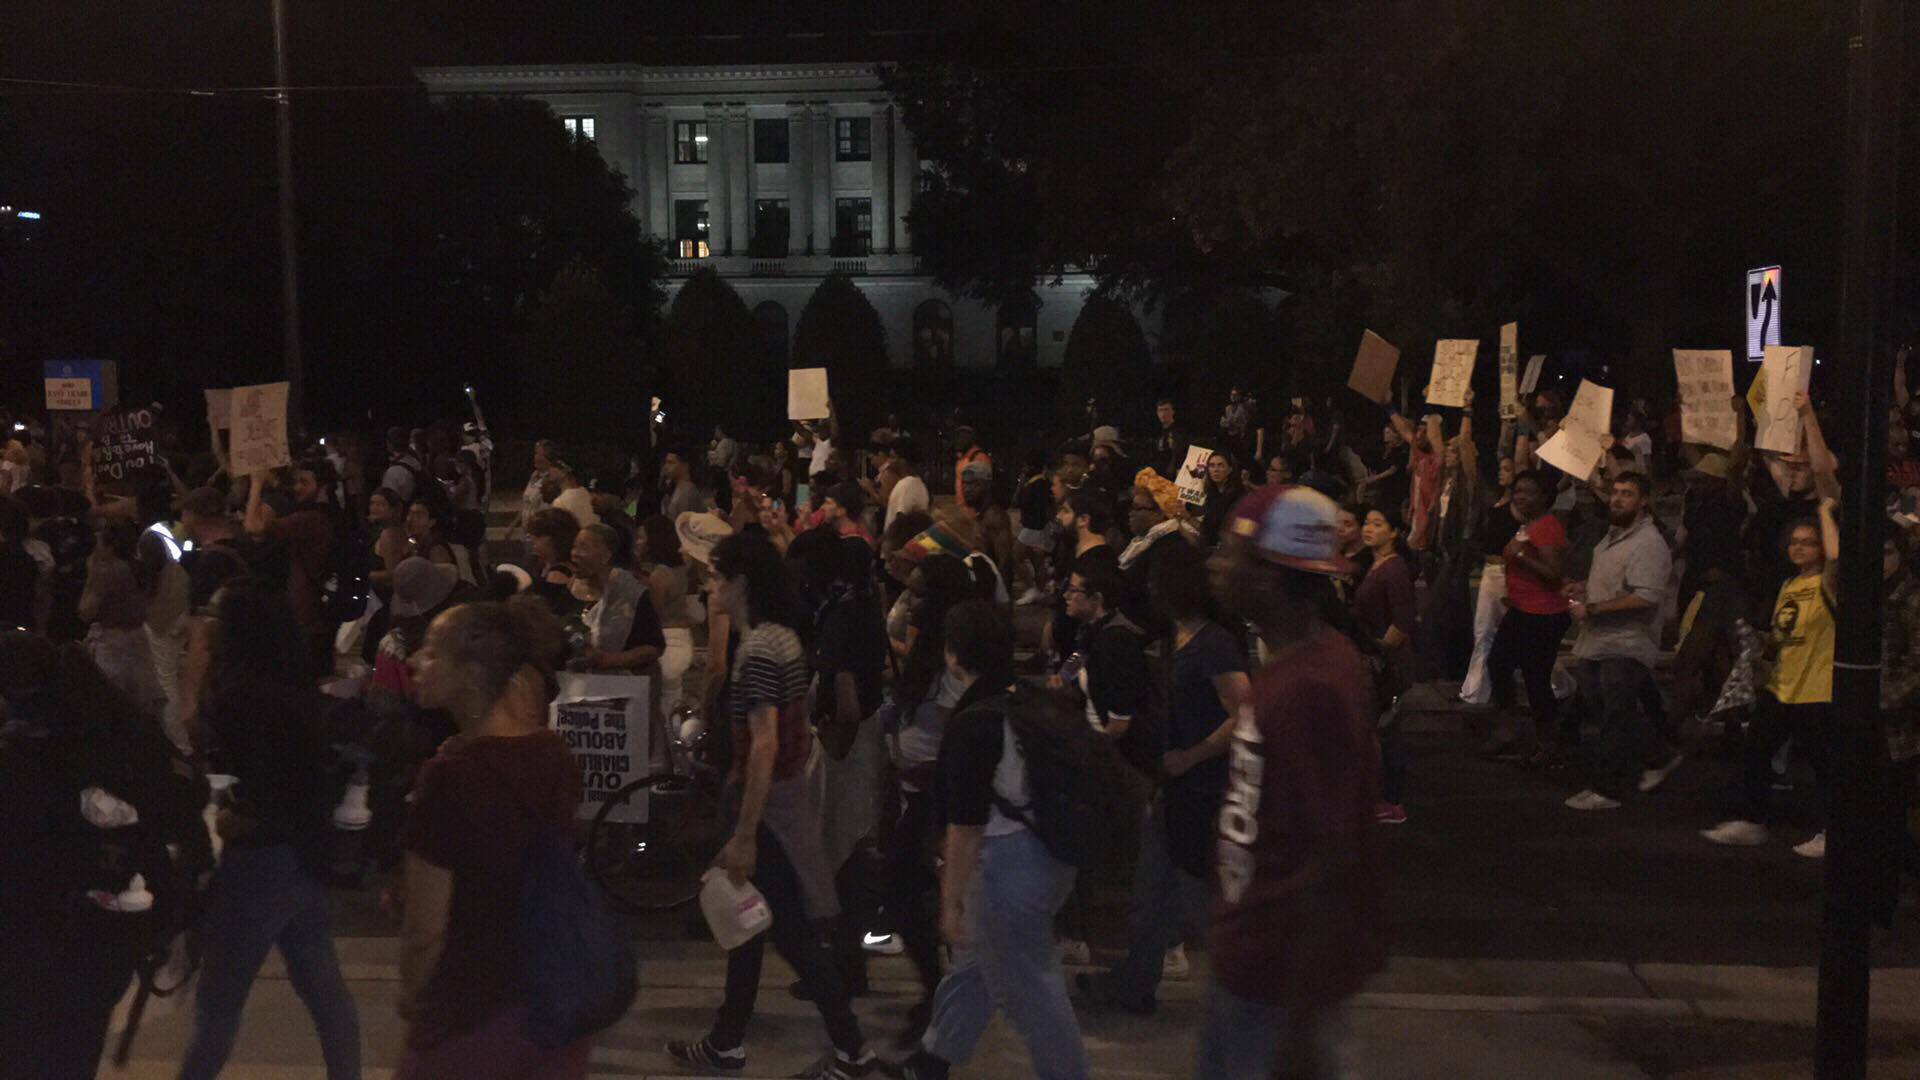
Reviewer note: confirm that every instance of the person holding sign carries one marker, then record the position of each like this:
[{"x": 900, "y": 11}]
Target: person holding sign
[
  {"x": 1536, "y": 619},
  {"x": 306, "y": 532}
]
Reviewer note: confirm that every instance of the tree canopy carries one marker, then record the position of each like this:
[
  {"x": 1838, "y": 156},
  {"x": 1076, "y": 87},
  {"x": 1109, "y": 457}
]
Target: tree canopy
[{"x": 839, "y": 330}]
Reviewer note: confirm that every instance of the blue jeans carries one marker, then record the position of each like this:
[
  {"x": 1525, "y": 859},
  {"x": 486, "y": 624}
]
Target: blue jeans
[
  {"x": 1249, "y": 1040},
  {"x": 1168, "y": 903},
  {"x": 1011, "y": 962},
  {"x": 1610, "y": 692},
  {"x": 261, "y": 898}
]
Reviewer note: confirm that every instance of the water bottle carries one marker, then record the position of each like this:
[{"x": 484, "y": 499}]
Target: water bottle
[{"x": 735, "y": 913}]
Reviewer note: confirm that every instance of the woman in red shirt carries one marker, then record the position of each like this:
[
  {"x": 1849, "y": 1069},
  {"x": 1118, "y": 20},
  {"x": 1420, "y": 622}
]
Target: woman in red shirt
[{"x": 1536, "y": 620}]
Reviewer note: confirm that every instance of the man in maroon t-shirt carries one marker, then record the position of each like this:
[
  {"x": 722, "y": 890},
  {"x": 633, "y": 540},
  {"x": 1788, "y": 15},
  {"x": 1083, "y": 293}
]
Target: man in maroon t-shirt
[
  {"x": 306, "y": 533},
  {"x": 1297, "y": 925}
]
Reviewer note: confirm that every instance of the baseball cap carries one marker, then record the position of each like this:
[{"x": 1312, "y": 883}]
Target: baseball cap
[{"x": 1292, "y": 525}]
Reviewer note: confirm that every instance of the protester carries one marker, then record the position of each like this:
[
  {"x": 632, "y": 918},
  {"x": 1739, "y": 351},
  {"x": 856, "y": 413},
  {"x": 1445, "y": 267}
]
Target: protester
[
  {"x": 668, "y": 576},
  {"x": 1493, "y": 531},
  {"x": 570, "y": 495},
  {"x": 406, "y": 472},
  {"x": 1000, "y": 887},
  {"x": 1223, "y": 491},
  {"x": 618, "y": 629},
  {"x": 683, "y": 492},
  {"x": 909, "y": 492},
  {"x": 1033, "y": 502},
  {"x": 114, "y": 604},
  {"x": 1297, "y": 917},
  {"x": 267, "y": 729},
  {"x": 306, "y": 532},
  {"x": 534, "y": 499},
  {"x": 1529, "y": 635},
  {"x": 1157, "y": 522},
  {"x": 1383, "y": 606},
  {"x": 967, "y": 442},
  {"x": 428, "y": 523},
  {"x": 421, "y": 591},
  {"x": 1170, "y": 443}
]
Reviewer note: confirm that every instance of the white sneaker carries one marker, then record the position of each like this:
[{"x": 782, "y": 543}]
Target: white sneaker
[
  {"x": 1591, "y": 800},
  {"x": 1175, "y": 964},
  {"x": 1031, "y": 597},
  {"x": 1651, "y": 779},
  {"x": 883, "y": 944},
  {"x": 1075, "y": 954},
  {"x": 1737, "y": 833},
  {"x": 1815, "y": 848}
]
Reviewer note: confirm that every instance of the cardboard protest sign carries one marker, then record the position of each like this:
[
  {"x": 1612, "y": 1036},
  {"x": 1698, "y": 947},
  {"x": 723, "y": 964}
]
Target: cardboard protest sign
[
  {"x": 603, "y": 719},
  {"x": 123, "y": 445},
  {"x": 1372, "y": 376},
  {"x": 219, "y": 409},
  {"x": 1192, "y": 480},
  {"x": 259, "y": 425},
  {"x": 807, "y": 394},
  {"x": 1452, "y": 371},
  {"x": 1776, "y": 425},
  {"x": 1531, "y": 380},
  {"x": 1576, "y": 448},
  {"x": 1510, "y": 371},
  {"x": 1705, "y": 377}
]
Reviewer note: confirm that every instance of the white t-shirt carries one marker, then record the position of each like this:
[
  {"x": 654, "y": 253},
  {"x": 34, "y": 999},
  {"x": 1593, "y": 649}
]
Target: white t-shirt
[
  {"x": 577, "y": 502},
  {"x": 822, "y": 453},
  {"x": 910, "y": 493},
  {"x": 1641, "y": 446}
]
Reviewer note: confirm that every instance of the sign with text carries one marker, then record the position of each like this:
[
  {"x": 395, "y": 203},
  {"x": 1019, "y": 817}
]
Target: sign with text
[
  {"x": 1192, "y": 480},
  {"x": 1452, "y": 371},
  {"x": 1705, "y": 377},
  {"x": 1509, "y": 371},
  {"x": 259, "y": 426},
  {"x": 79, "y": 385},
  {"x": 807, "y": 394},
  {"x": 1776, "y": 424},
  {"x": 603, "y": 719},
  {"x": 123, "y": 445},
  {"x": 1372, "y": 376},
  {"x": 1576, "y": 448},
  {"x": 1530, "y": 381},
  {"x": 1763, "y": 310}
]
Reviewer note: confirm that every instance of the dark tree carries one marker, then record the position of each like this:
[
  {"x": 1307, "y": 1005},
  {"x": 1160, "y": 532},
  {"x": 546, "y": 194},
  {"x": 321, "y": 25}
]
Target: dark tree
[
  {"x": 715, "y": 369},
  {"x": 575, "y": 347},
  {"x": 1106, "y": 359},
  {"x": 839, "y": 330}
]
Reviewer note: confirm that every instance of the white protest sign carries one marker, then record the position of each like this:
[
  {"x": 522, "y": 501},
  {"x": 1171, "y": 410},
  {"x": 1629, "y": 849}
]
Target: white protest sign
[
  {"x": 1510, "y": 370},
  {"x": 219, "y": 409},
  {"x": 259, "y": 424},
  {"x": 1452, "y": 371},
  {"x": 1776, "y": 424},
  {"x": 603, "y": 719},
  {"x": 1192, "y": 480},
  {"x": 1532, "y": 377},
  {"x": 1705, "y": 378},
  {"x": 807, "y": 394},
  {"x": 1577, "y": 447}
]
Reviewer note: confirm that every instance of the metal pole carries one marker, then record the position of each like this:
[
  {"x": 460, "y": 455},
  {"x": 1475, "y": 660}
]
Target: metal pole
[
  {"x": 1865, "y": 371},
  {"x": 289, "y": 251}
]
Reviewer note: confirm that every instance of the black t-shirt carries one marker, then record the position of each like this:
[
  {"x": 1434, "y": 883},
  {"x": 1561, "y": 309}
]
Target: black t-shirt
[
  {"x": 1194, "y": 711},
  {"x": 268, "y": 736},
  {"x": 1035, "y": 503},
  {"x": 210, "y": 567},
  {"x": 969, "y": 754},
  {"x": 850, "y": 637}
]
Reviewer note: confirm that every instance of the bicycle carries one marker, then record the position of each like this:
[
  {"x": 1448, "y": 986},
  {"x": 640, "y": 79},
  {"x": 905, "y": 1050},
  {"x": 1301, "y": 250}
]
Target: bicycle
[{"x": 649, "y": 844}]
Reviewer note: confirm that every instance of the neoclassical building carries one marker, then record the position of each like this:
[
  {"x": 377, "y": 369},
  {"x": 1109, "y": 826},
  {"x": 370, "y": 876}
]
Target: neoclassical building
[{"x": 777, "y": 175}]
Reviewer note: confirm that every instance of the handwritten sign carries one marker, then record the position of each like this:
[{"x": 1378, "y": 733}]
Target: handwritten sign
[
  {"x": 123, "y": 445},
  {"x": 1372, "y": 376},
  {"x": 1776, "y": 425},
  {"x": 1192, "y": 480},
  {"x": 1576, "y": 448},
  {"x": 603, "y": 719},
  {"x": 1452, "y": 371},
  {"x": 807, "y": 394},
  {"x": 259, "y": 425},
  {"x": 1509, "y": 371},
  {"x": 1705, "y": 377},
  {"x": 1531, "y": 379}
]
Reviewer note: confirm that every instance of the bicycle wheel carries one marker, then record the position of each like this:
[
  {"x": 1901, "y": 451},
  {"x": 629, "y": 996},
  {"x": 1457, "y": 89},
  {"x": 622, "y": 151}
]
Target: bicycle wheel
[{"x": 650, "y": 843}]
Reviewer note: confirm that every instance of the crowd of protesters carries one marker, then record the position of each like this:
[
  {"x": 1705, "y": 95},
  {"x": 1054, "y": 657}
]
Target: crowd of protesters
[{"x": 343, "y": 640}]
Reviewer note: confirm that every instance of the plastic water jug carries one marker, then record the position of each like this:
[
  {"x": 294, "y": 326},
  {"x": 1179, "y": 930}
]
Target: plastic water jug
[{"x": 735, "y": 913}]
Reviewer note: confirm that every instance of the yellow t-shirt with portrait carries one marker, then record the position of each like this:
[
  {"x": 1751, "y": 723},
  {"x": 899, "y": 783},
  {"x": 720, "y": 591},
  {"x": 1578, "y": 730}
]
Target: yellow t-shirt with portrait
[{"x": 1803, "y": 628}]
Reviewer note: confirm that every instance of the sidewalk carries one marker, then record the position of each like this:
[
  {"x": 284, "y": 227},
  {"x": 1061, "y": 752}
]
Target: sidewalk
[{"x": 1421, "y": 1018}]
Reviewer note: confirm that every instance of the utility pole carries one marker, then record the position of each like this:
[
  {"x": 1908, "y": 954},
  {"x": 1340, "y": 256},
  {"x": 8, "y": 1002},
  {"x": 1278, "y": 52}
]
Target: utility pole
[
  {"x": 1865, "y": 373},
  {"x": 289, "y": 250}
]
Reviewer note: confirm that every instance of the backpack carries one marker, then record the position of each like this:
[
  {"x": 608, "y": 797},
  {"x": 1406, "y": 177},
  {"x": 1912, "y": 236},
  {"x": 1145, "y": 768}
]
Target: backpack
[
  {"x": 343, "y": 587},
  {"x": 576, "y": 967},
  {"x": 1081, "y": 794}
]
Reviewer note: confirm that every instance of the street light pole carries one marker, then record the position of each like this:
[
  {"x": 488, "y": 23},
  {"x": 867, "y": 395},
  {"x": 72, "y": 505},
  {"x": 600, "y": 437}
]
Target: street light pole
[
  {"x": 289, "y": 251},
  {"x": 1865, "y": 373}
]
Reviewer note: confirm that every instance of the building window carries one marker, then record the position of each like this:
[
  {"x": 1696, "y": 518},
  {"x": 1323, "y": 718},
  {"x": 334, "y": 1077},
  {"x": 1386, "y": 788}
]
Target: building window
[
  {"x": 689, "y": 142},
  {"x": 770, "y": 325},
  {"x": 853, "y": 136},
  {"x": 1017, "y": 342},
  {"x": 771, "y": 225},
  {"x": 933, "y": 334},
  {"x": 852, "y": 226},
  {"x": 770, "y": 142},
  {"x": 690, "y": 228},
  {"x": 580, "y": 127}
]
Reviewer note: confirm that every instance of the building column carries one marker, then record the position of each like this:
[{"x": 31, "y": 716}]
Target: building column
[
  {"x": 906, "y": 180},
  {"x": 880, "y": 162},
  {"x": 823, "y": 155},
  {"x": 718, "y": 235},
  {"x": 739, "y": 178},
  {"x": 656, "y": 151},
  {"x": 799, "y": 179}
]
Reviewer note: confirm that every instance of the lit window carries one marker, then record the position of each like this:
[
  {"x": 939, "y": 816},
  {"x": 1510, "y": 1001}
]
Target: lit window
[
  {"x": 580, "y": 127},
  {"x": 690, "y": 228},
  {"x": 853, "y": 137},
  {"x": 690, "y": 142}
]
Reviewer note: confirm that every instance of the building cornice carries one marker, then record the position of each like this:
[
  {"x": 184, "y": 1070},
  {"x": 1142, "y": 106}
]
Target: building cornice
[{"x": 633, "y": 74}]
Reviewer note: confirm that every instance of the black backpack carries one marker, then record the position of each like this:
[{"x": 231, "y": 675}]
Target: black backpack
[{"x": 1082, "y": 794}]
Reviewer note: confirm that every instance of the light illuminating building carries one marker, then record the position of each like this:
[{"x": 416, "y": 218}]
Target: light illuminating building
[{"x": 777, "y": 175}]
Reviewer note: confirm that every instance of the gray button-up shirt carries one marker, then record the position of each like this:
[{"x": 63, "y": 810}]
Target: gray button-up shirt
[{"x": 1635, "y": 561}]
